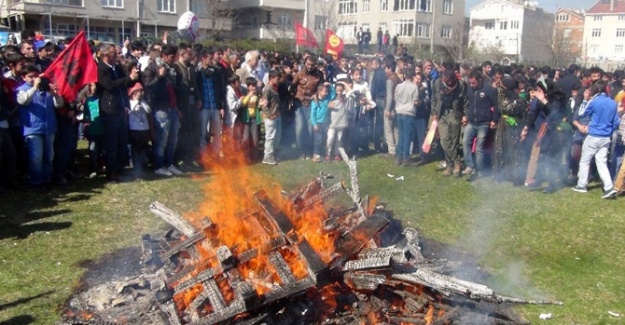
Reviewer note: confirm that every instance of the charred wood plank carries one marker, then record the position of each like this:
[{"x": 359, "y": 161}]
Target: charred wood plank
[
  {"x": 237, "y": 307},
  {"x": 214, "y": 295},
  {"x": 282, "y": 269},
  {"x": 172, "y": 313},
  {"x": 367, "y": 264},
  {"x": 440, "y": 266},
  {"x": 353, "y": 241},
  {"x": 225, "y": 258},
  {"x": 412, "y": 243},
  {"x": 289, "y": 290},
  {"x": 354, "y": 192},
  {"x": 247, "y": 255},
  {"x": 273, "y": 213},
  {"x": 322, "y": 196},
  {"x": 172, "y": 218},
  {"x": 182, "y": 245},
  {"x": 364, "y": 281},
  {"x": 396, "y": 254},
  {"x": 316, "y": 266},
  {"x": 200, "y": 277}
]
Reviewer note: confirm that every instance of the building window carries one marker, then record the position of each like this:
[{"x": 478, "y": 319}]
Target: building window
[
  {"x": 562, "y": 17},
  {"x": 566, "y": 32},
  {"x": 597, "y": 18},
  {"x": 620, "y": 32},
  {"x": 166, "y": 6},
  {"x": 366, "y": 5},
  {"x": 198, "y": 7},
  {"x": 594, "y": 48},
  {"x": 448, "y": 7},
  {"x": 596, "y": 32},
  {"x": 424, "y": 5},
  {"x": 423, "y": 30},
  {"x": 514, "y": 24},
  {"x": 489, "y": 25},
  {"x": 446, "y": 32},
  {"x": 321, "y": 22},
  {"x": 403, "y": 27},
  {"x": 77, "y": 3},
  {"x": 383, "y": 5},
  {"x": 383, "y": 27},
  {"x": 402, "y": 5},
  {"x": 347, "y": 29},
  {"x": 60, "y": 30},
  {"x": 503, "y": 25},
  {"x": 112, "y": 3},
  {"x": 347, "y": 7},
  {"x": 285, "y": 21},
  {"x": 618, "y": 48},
  {"x": 621, "y": 17}
]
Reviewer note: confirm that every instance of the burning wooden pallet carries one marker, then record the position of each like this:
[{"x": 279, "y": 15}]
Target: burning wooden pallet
[{"x": 286, "y": 279}]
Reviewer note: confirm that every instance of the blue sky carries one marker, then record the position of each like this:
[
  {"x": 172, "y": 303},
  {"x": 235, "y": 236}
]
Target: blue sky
[{"x": 549, "y": 5}]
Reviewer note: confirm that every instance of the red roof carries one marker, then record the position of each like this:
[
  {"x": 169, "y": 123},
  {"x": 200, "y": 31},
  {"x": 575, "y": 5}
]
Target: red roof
[{"x": 603, "y": 7}]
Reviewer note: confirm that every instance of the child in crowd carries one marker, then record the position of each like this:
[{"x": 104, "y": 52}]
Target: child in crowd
[
  {"x": 234, "y": 98},
  {"x": 339, "y": 119},
  {"x": 250, "y": 117},
  {"x": 38, "y": 101},
  {"x": 319, "y": 114},
  {"x": 270, "y": 106},
  {"x": 364, "y": 122},
  {"x": 141, "y": 127},
  {"x": 94, "y": 129}
]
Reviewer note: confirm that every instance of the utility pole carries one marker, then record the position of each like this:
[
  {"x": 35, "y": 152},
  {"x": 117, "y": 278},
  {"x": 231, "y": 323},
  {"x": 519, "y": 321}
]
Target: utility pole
[{"x": 432, "y": 28}]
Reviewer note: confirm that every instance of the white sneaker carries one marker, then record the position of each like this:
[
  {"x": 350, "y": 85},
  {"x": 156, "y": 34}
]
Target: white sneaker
[
  {"x": 163, "y": 171},
  {"x": 172, "y": 169}
]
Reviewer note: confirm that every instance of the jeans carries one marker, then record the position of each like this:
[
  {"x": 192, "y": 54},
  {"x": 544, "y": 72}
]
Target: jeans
[
  {"x": 273, "y": 132},
  {"x": 210, "y": 119},
  {"x": 378, "y": 124},
  {"x": 65, "y": 142},
  {"x": 303, "y": 128},
  {"x": 7, "y": 156},
  {"x": 420, "y": 130},
  {"x": 471, "y": 132},
  {"x": 598, "y": 148},
  {"x": 335, "y": 140},
  {"x": 318, "y": 138},
  {"x": 40, "y": 158},
  {"x": 166, "y": 125},
  {"x": 616, "y": 158},
  {"x": 405, "y": 129},
  {"x": 115, "y": 141}
]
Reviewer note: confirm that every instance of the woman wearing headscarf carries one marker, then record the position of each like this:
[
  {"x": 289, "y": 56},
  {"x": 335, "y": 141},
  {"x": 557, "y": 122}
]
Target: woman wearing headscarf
[
  {"x": 551, "y": 104},
  {"x": 508, "y": 161}
]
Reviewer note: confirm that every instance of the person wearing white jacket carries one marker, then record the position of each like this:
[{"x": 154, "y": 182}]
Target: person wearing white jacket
[{"x": 234, "y": 97}]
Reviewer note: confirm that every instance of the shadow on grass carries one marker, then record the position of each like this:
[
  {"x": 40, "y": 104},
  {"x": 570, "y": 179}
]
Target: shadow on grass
[
  {"x": 23, "y": 231},
  {"x": 25, "y": 300},
  {"x": 19, "y": 320}
]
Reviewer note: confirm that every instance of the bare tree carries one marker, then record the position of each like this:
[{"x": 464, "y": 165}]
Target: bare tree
[
  {"x": 324, "y": 15},
  {"x": 456, "y": 43},
  {"x": 558, "y": 40},
  {"x": 219, "y": 14}
]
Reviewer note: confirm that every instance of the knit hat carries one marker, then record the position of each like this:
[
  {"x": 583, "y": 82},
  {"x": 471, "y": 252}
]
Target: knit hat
[
  {"x": 509, "y": 83},
  {"x": 134, "y": 88},
  {"x": 40, "y": 45}
]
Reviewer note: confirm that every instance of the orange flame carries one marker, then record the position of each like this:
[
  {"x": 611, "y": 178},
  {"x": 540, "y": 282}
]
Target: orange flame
[{"x": 429, "y": 317}]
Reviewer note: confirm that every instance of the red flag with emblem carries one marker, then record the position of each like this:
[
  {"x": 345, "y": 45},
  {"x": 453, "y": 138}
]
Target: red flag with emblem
[
  {"x": 334, "y": 44},
  {"x": 73, "y": 68},
  {"x": 304, "y": 36}
]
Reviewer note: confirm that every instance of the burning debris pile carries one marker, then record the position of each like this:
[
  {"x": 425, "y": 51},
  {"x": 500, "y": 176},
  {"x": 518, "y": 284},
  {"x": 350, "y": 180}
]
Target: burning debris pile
[{"x": 269, "y": 257}]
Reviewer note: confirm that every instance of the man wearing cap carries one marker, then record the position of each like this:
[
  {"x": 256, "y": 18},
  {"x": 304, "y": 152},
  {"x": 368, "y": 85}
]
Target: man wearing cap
[{"x": 44, "y": 52}]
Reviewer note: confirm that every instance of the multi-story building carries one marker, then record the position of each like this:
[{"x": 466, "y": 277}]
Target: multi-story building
[
  {"x": 105, "y": 20},
  {"x": 568, "y": 35},
  {"x": 266, "y": 19},
  {"x": 604, "y": 31},
  {"x": 519, "y": 30},
  {"x": 413, "y": 21}
]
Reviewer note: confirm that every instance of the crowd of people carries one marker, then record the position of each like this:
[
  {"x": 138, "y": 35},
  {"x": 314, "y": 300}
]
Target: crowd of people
[{"x": 163, "y": 107}]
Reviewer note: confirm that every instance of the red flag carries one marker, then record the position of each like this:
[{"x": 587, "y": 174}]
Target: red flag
[
  {"x": 73, "y": 68},
  {"x": 304, "y": 36},
  {"x": 334, "y": 44}
]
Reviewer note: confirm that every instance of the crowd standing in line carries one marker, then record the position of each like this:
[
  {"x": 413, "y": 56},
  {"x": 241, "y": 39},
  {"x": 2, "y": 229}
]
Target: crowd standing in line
[{"x": 162, "y": 107}]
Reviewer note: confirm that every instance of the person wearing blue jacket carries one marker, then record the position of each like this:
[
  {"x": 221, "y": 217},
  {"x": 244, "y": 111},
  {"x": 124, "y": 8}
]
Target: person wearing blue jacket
[
  {"x": 319, "y": 116},
  {"x": 37, "y": 105},
  {"x": 604, "y": 120}
]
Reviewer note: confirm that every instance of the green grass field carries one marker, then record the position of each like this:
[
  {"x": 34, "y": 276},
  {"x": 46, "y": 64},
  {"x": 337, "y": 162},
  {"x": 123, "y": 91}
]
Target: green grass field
[{"x": 566, "y": 246}]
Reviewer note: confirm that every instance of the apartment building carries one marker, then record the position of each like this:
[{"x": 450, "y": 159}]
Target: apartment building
[
  {"x": 266, "y": 19},
  {"x": 413, "y": 21},
  {"x": 105, "y": 20},
  {"x": 604, "y": 31},
  {"x": 520, "y": 30},
  {"x": 569, "y": 30}
]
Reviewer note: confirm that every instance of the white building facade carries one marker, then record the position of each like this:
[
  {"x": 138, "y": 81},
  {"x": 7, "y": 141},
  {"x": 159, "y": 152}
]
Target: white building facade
[
  {"x": 604, "y": 32},
  {"x": 519, "y": 30}
]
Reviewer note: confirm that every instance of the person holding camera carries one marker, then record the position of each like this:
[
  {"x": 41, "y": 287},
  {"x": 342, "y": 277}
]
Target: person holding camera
[{"x": 37, "y": 103}]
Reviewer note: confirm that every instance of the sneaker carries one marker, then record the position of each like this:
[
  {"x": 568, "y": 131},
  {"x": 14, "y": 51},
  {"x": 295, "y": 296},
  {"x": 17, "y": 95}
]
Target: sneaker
[
  {"x": 579, "y": 189},
  {"x": 163, "y": 172},
  {"x": 92, "y": 175},
  {"x": 611, "y": 194},
  {"x": 337, "y": 158},
  {"x": 317, "y": 158},
  {"x": 468, "y": 171},
  {"x": 269, "y": 161},
  {"x": 442, "y": 165},
  {"x": 172, "y": 169},
  {"x": 328, "y": 158}
]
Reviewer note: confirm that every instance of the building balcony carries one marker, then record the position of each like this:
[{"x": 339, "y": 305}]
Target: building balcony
[
  {"x": 267, "y": 4},
  {"x": 262, "y": 31},
  {"x": 25, "y": 4}
]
